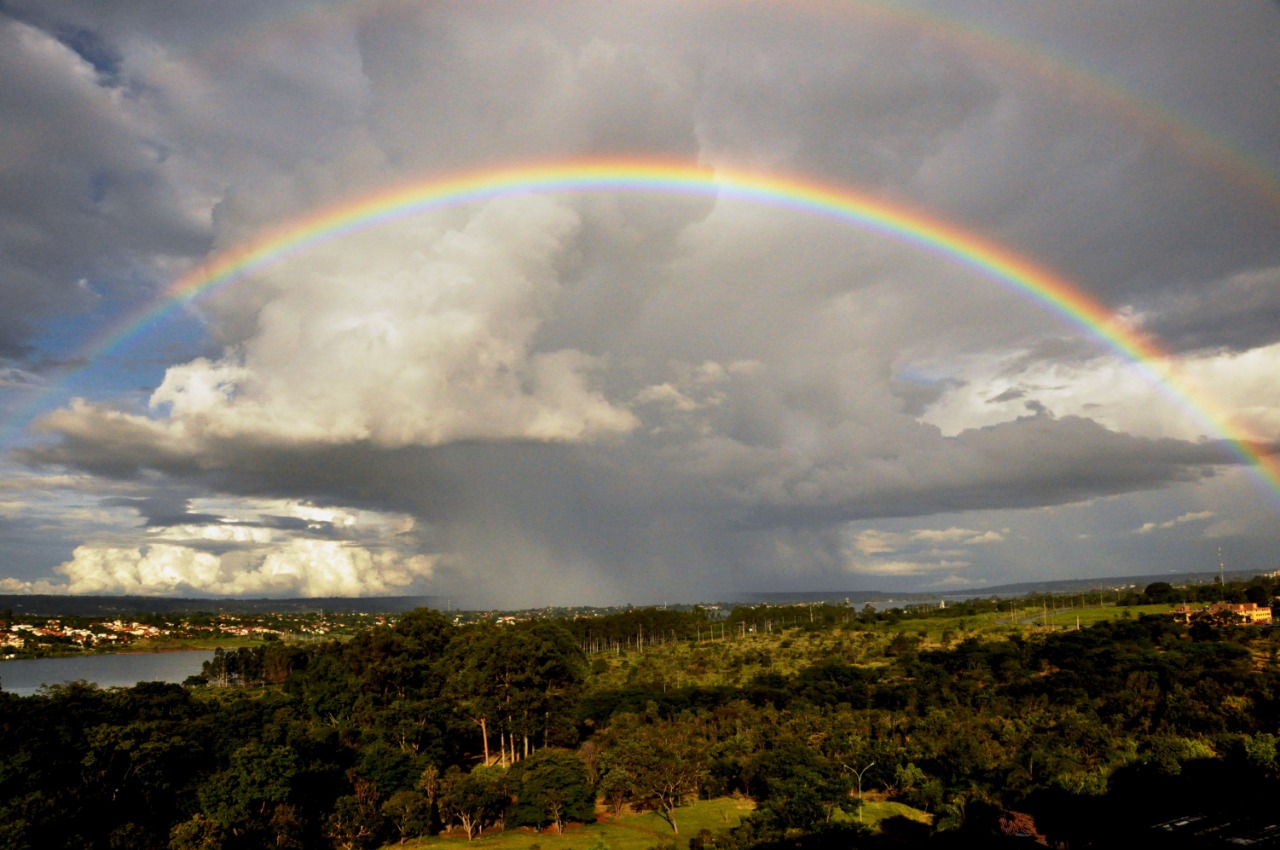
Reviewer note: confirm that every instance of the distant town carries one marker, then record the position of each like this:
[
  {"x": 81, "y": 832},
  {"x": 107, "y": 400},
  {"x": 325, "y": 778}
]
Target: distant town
[
  {"x": 41, "y": 636},
  {"x": 33, "y": 636},
  {"x": 178, "y": 624}
]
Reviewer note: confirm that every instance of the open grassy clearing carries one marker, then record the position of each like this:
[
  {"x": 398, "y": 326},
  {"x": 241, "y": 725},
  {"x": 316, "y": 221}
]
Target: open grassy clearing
[
  {"x": 193, "y": 643},
  {"x": 631, "y": 831},
  {"x": 643, "y": 830},
  {"x": 875, "y": 811},
  {"x": 1090, "y": 615}
]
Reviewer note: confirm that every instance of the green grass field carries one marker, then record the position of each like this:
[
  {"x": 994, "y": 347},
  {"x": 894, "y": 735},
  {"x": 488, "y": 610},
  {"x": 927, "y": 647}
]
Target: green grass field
[
  {"x": 1089, "y": 615},
  {"x": 641, "y": 831},
  {"x": 192, "y": 643},
  {"x": 1019, "y": 618},
  {"x": 628, "y": 832}
]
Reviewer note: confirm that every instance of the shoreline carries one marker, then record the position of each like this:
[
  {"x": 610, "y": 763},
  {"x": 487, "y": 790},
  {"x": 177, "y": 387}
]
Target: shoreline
[{"x": 95, "y": 653}]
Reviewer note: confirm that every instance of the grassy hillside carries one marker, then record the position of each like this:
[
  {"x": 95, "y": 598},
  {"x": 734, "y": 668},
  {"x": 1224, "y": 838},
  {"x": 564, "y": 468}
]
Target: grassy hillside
[{"x": 739, "y": 657}]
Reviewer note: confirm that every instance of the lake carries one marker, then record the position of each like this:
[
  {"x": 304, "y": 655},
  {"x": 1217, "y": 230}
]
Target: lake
[{"x": 24, "y": 676}]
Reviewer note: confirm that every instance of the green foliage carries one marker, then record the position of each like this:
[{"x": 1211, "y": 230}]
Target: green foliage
[
  {"x": 550, "y": 787},
  {"x": 356, "y": 819},
  {"x": 242, "y": 797},
  {"x": 797, "y": 787},
  {"x": 408, "y": 813},
  {"x": 473, "y": 800},
  {"x": 383, "y": 737},
  {"x": 1261, "y": 751},
  {"x": 656, "y": 765},
  {"x": 520, "y": 684},
  {"x": 197, "y": 833}
]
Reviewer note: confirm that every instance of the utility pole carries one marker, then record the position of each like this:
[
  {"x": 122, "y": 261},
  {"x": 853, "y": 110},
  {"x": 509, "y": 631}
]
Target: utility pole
[{"x": 1222, "y": 577}]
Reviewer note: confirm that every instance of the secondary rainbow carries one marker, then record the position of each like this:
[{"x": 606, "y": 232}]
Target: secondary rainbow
[
  {"x": 983, "y": 40},
  {"x": 663, "y": 177}
]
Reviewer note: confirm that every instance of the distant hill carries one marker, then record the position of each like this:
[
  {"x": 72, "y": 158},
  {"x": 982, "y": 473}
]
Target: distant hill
[
  {"x": 49, "y": 605},
  {"x": 1005, "y": 591}
]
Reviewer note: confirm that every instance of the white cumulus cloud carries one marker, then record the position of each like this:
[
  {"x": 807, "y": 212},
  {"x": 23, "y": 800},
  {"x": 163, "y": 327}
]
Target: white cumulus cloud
[
  {"x": 295, "y": 568},
  {"x": 1191, "y": 516},
  {"x": 407, "y": 335}
]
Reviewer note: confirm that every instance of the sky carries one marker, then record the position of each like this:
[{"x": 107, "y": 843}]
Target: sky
[{"x": 594, "y": 395}]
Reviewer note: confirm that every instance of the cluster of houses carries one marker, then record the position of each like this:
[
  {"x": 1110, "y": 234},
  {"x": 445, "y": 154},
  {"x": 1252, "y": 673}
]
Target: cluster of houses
[
  {"x": 1242, "y": 613},
  {"x": 18, "y": 635},
  {"x": 238, "y": 630},
  {"x": 57, "y": 636}
]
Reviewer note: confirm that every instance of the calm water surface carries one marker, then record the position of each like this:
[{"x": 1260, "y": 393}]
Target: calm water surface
[{"x": 23, "y": 676}]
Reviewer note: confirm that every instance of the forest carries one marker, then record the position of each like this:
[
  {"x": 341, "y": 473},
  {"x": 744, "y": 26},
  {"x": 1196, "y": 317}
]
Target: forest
[{"x": 1080, "y": 737}]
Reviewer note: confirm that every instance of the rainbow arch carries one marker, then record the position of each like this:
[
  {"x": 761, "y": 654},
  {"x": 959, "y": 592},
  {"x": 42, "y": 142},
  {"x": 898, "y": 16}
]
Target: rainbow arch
[{"x": 647, "y": 176}]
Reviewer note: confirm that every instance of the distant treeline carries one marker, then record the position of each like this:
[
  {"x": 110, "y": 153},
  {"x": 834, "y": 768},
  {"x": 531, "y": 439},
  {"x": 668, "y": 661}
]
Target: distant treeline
[{"x": 1261, "y": 590}]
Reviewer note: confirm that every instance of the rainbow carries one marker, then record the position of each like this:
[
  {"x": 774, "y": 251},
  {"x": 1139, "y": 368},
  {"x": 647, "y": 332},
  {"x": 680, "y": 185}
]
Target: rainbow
[
  {"x": 839, "y": 203},
  {"x": 1156, "y": 121}
]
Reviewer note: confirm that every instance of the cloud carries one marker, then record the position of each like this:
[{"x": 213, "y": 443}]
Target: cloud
[
  {"x": 431, "y": 345},
  {"x": 1193, "y": 516},
  {"x": 876, "y": 542},
  {"x": 353, "y": 556},
  {"x": 905, "y": 568},
  {"x": 298, "y": 568},
  {"x": 918, "y": 553},
  {"x": 1237, "y": 313},
  {"x": 914, "y": 552},
  {"x": 524, "y": 88},
  {"x": 159, "y": 536},
  {"x": 959, "y": 536},
  {"x": 82, "y": 190},
  {"x": 1191, "y": 404},
  {"x": 13, "y": 377}
]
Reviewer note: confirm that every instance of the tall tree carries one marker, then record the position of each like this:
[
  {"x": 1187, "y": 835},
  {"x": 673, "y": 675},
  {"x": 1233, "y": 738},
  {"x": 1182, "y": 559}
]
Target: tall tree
[{"x": 660, "y": 764}]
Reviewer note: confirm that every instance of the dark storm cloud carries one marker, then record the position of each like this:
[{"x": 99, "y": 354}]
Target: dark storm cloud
[
  {"x": 162, "y": 509},
  {"x": 84, "y": 198},
  {"x": 1235, "y": 314},
  {"x": 291, "y": 523},
  {"x": 90, "y": 47},
  {"x": 917, "y": 395},
  {"x": 811, "y": 73},
  {"x": 1054, "y": 349},
  {"x": 528, "y": 87},
  {"x": 626, "y": 514},
  {"x": 1037, "y": 408},
  {"x": 1034, "y": 461},
  {"x": 165, "y": 508},
  {"x": 11, "y": 376},
  {"x": 1010, "y": 394},
  {"x": 126, "y": 126}
]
